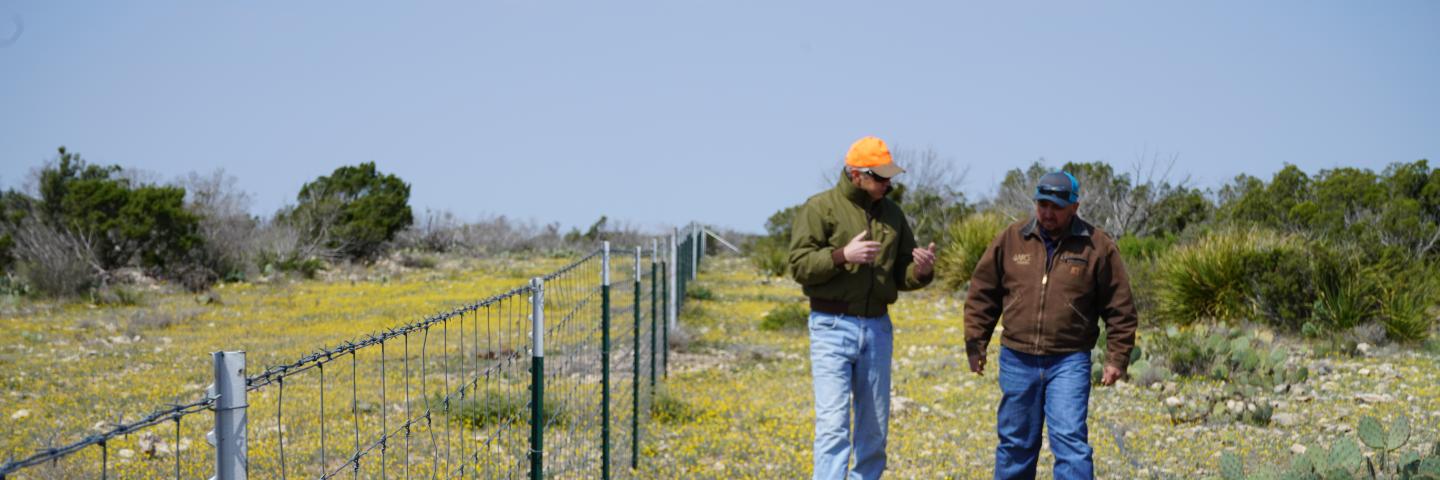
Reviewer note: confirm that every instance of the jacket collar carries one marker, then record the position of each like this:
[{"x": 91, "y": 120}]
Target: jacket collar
[
  {"x": 1078, "y": 227},
  {"x": 854, "y": 193}
]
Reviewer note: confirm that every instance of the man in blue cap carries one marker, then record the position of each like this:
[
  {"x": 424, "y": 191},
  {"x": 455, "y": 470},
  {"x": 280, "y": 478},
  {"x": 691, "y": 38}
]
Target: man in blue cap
[{"x": 1050, "y": 280}]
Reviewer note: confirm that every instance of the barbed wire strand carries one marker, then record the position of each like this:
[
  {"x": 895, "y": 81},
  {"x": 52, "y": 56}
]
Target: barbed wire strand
[{"x": 53, "y": 454}]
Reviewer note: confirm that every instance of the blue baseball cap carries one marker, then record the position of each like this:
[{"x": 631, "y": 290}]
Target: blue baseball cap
[{"x": 1060, "y": 188}]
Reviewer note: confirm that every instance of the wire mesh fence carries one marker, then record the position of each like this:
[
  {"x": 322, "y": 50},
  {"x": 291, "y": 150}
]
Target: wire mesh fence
[
  {"x": 473, "y": 392},
  {"x": 164, "y": 436}
]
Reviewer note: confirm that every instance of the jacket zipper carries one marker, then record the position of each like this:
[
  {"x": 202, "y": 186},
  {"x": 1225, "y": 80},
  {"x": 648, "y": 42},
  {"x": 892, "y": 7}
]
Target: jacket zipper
[
  {"x": 1044, "y": 287},
  {"x": 870, "y": 290}
]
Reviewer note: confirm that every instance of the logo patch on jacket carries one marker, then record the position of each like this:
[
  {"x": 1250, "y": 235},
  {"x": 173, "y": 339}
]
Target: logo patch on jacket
[
  {"x": 1021, "y": 259},
  {"x": 1076, "y": 263}
]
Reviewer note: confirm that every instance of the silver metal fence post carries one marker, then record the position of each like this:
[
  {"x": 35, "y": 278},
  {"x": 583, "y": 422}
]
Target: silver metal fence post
[
  {"x": 605, "y": 363},
  {"x": 657, "y": 321},
  {"x": 537, "y": 378},
  {"x": 694, "y": 251},
  {"x": 231, "y": 455}
]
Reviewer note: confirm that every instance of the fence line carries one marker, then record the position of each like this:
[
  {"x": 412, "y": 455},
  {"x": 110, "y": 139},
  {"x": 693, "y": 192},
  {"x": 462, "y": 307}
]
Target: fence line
[{"x": 451, "y": 395}]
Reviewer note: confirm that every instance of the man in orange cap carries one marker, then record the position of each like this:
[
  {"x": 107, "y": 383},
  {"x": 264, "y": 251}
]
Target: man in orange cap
[{"x": 852, "y": 251}]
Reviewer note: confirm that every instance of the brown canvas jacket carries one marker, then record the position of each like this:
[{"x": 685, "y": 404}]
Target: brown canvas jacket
[{"x": 1051, "y": 305}]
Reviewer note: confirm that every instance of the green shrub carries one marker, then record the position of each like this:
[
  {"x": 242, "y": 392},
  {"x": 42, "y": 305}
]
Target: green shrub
[
  {"x": 1142, "y": 291},
  {"x": 121, "y": 222},
  {"x": 1284, "y": 281},
  {"x": 668, "y": 408},
  {"x": 490, "y": 409},
  {"x": 1404, "y": 305},
  {"x": 115, "y": 295},
  {"x": 1207, "y": 279},
  {"x": 11, "y": 286},
  {"x": 771, "y": 252},
  {"x": 270, "y": 264},
  {"x": 494, "y": 407},
  {"x": 969, "y": 238},
  {"x": 1278, "y": 290},
  {"x": 770, "y": 255},
  {"x": 90, "y": 220},
  {"x": 699, "y": 292},
  {"x": 1136, "y": 249},
  {"x": 418, "y": 261},
  {"x": 354, "y": 210},
  {"x": 789, "y": 316},
  {"x": 1344, "y": 305}
]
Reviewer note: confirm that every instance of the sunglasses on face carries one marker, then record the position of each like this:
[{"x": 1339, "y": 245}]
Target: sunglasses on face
[{"x": 876, "y": 177}]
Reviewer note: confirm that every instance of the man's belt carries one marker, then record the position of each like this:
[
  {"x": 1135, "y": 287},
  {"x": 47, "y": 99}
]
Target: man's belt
[{"x": 838, "y": 307}]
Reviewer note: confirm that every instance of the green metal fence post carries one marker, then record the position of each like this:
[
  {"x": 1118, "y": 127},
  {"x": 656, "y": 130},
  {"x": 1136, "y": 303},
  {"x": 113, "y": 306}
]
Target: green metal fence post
[
  {"x": 635, "y": 375},
  {"x": 537, "y": 378},
  {"x": 684, "y": 280},
  {"x": 665, "y": 306},
  {"x": 654, "y": 282},
  {"x": 605, "y": 362}
]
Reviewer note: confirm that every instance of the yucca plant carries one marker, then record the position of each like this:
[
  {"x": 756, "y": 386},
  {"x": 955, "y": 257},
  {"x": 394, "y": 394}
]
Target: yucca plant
[
  {"x": 1344, "y": 305},
  {"x": 1208, "y": 279},
  {"x": 1404, "y": 308},
  {"x": 969, "y": 238}
]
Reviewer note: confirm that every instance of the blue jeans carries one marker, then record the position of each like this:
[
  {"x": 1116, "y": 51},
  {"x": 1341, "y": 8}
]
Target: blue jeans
[
  {"x": 850, "y": 364},
  {"x": 1057, "y": 387}
]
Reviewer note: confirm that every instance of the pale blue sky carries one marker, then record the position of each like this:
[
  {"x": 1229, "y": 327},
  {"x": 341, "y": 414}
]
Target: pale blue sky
[{"x": 657, "y": 113}]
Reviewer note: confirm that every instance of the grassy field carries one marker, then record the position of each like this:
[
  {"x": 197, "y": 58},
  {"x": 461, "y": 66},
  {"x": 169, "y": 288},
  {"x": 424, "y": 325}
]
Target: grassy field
[
  {"x": 736, "y": 404},
  {"x": 70, "y": 369},
  {"x": 747, "y": 405}
]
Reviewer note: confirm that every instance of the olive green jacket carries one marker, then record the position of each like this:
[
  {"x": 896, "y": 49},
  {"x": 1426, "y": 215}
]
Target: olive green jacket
[{"x": 826, "y": 222}]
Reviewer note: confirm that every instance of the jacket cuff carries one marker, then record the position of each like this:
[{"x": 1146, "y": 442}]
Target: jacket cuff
[
  {"x": 837, "y": 256},
  {"x": 1121, "y": 362}
]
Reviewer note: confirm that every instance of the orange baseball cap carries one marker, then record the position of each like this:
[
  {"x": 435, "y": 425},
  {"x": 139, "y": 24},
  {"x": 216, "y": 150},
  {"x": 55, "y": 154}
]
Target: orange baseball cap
[{"x": 871, "y": 153}]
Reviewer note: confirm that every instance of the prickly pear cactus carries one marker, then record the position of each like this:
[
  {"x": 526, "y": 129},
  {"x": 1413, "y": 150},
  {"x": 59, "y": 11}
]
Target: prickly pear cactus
[
  {"x": 1251, "y": 368},
  {"x": 1430, "y": 467},
  {"x": 1344, "y": 459},
  {"x": 1371, "y": 433},
  {"x": 1345, "y": 455},
  {"x": 1399, "y": 433},
  {"x": 1230, "y": 467}
]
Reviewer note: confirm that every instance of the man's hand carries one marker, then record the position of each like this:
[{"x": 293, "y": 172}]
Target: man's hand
[
  {"x": 1112, "y": 373},
  {"x": 977, "y": 363},
  {"x": 860, "y": 250},
  {"x": 924, "y": 260}
]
